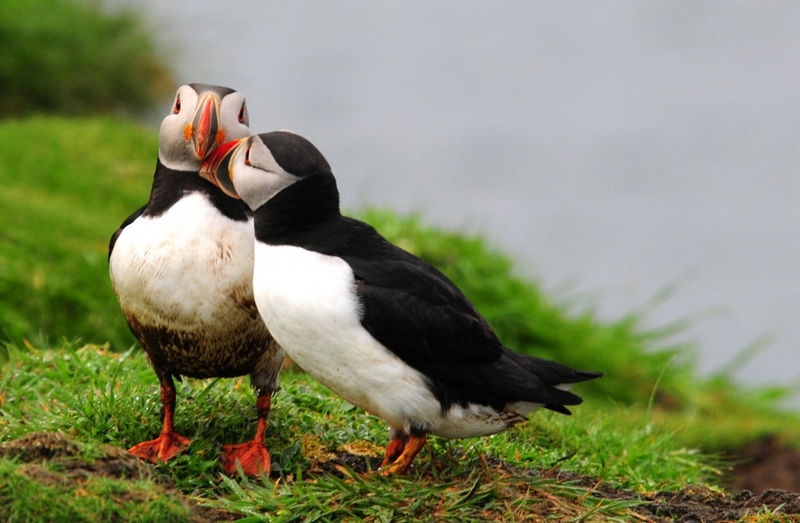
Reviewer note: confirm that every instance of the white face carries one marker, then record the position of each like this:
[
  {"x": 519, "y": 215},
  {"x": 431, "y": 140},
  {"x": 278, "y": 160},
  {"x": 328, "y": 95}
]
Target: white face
[
  {"x": 234, "y": 119},
  {"x": 256, "y": 175},
  {"x": 198, "y": 122}
]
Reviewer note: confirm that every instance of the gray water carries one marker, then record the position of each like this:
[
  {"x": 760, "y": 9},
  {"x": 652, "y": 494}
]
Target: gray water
[{"x": 613, "y": 148}]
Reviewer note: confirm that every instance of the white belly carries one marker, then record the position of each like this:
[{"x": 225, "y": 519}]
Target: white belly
[
  {"x": 309, "y": 303},
  {"x": 189, "y": 268}
]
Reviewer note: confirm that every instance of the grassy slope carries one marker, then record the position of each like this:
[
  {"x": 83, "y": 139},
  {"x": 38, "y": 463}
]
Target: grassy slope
[
  {"x": 67, "y": 186},
  {"x": 99, "y": 397}
]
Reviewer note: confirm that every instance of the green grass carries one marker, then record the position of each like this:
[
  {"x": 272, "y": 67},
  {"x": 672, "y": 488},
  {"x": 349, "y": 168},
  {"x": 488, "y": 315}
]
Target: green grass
[
  {"x": 99, "y": 397},
  {"x": 69, "y": 183}
]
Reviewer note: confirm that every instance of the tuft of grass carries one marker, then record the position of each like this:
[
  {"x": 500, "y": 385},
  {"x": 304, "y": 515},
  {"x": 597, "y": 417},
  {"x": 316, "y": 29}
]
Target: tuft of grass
[
  {"x": 32, "y": 492},
  {"x": 93, "y": 394}
]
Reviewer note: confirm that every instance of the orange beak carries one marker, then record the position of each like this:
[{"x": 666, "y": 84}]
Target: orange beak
[
  {"x": 217, "y": 168},
  {"x": 205, "y": 126}
]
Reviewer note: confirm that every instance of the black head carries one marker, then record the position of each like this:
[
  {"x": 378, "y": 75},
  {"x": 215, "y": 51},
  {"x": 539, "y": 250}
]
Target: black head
[{"x": 258, "y": 167}]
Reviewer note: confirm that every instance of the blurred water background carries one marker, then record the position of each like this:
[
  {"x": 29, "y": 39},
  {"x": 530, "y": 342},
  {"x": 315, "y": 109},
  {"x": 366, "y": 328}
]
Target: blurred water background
[{"x": 615, "y": 149}]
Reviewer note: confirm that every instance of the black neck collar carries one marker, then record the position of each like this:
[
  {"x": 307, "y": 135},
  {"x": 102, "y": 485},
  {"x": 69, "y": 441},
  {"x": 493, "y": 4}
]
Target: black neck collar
[{"x": 170, "y": 185}]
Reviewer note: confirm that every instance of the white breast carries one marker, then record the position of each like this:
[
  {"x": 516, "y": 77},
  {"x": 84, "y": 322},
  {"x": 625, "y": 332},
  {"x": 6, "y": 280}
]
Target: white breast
[
  {"x": 185, "y": 268},
  {"x": 309, "y": 303}
]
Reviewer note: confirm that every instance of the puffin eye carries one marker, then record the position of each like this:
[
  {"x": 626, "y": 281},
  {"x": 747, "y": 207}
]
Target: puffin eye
[
  {"x": 177, "y": 108},
  {"x": 242, "y": 114},
  {"x": 247, "y": 155}
]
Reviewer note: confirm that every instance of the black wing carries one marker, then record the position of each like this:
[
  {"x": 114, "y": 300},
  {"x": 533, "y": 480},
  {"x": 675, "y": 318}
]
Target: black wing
[
  {"x": 416, "y": 312},
  {"x": 408, "y": 305}
]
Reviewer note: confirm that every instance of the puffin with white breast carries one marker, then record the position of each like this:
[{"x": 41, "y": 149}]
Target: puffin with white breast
[
  {"x": 377, "y": 325},
  {"x": 182, "y": 267}
]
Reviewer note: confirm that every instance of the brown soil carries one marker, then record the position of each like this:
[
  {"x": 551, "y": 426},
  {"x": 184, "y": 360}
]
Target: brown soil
[
  {"x": 766, "y": 467},
  {"x": 765, "y": 464},
  {"x": 767, "y": 476},
  {"x": 112, "y": 462},
  {"x": 698, "y": 503}
]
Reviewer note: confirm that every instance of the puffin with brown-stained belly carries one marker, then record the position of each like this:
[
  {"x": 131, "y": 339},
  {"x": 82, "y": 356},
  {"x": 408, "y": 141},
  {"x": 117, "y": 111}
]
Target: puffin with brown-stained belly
[
  {"x": 377, "y": 325},
  {"x": 182, "y": 268}
]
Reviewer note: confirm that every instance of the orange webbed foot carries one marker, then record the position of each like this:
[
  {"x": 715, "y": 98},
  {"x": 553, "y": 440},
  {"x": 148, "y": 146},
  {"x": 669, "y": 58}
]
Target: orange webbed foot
[
  {"x": 163, "y": 448},
  {"x": 253, "y": 457}
]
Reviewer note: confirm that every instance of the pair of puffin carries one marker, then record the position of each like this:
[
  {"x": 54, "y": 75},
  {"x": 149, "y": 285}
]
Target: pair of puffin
[{"x": 199, "y": 267}]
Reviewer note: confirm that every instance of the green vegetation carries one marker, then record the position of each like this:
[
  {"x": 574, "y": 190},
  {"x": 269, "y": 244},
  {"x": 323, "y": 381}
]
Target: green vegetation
[
  {"x": 67, "y": 186},
  {"x": 45, "y": 493},
  {"x": 75, "y": 391},
  {"x": 99, "y": 397},
  {"x": 70, "y": 56}
]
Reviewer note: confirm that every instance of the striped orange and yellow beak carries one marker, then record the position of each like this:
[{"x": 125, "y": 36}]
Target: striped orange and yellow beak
[
  {"x": 204, "y": 131},
  {"x": 218, "y": 167}
]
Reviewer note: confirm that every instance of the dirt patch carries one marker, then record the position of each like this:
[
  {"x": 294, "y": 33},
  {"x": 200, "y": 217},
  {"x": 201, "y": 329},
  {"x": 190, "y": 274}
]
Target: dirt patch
[
  {"x": 111, "y": 462},
  {"x": 696, "y": 503},
  {"x": 38, "y": 446},
  {"x": 68, "y": 466},
  {"x": 704, "y": 505},
  {"x": 763, "y": 465}
]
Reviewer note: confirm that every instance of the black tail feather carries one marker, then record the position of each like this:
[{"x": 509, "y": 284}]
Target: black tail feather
[
  {"x": 561, "y": 409},
  {"x": 512, "y": 378},
  {"x": 551, "y": 372}
]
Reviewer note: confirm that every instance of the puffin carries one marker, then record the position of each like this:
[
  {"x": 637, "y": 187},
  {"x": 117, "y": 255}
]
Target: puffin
[
  {"x": 380, "y": 327},
  {"x": 182, "y": 267}
]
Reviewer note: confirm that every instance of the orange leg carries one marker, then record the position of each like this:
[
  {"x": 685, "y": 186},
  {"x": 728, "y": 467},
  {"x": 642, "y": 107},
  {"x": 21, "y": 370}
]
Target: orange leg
[
  {"x": 252, "y": 455},
  {"x": 403, "y": 462},
  {"x": 169, "y": 443}
]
